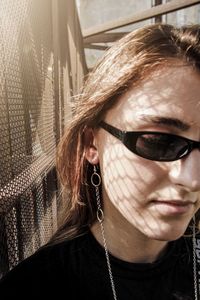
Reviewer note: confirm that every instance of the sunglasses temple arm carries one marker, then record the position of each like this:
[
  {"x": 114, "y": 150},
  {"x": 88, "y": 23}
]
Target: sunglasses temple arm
[{"x": 119, "y": 134}]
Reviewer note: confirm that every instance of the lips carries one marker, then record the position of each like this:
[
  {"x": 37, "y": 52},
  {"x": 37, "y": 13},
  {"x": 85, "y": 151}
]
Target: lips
[
  {"x": 172, "y": 207},
  {"x": 174, "y": 202}
]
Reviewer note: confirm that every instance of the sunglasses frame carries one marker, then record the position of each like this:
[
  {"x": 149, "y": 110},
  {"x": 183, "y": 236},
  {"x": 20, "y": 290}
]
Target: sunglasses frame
[{"x": 124, "y": 137}]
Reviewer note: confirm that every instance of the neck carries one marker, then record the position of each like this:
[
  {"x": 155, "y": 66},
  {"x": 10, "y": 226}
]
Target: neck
[
  {"x": 130, "y": 248},
  {"x": 127, "y": 243}
]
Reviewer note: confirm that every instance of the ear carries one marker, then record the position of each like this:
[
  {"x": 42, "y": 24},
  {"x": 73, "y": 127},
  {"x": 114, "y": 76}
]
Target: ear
[{"x": 91, "y": 152}]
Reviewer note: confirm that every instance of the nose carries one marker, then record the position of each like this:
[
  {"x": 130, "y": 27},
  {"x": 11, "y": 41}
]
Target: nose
[{"x": 186, "y": 171}]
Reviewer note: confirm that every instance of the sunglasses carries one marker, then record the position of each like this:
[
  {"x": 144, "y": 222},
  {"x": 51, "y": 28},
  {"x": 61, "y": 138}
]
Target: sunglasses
[{"x": 152, "y": 145}]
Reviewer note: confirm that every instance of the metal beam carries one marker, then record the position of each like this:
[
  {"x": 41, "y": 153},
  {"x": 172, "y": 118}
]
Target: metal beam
[
  {"x": 141, "y": 16},
  {"x": 96, "y": 47},
  {"x": 108, "y": 37}
]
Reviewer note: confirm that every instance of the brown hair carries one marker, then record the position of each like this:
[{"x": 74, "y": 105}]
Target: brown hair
[{"x": 124, "y": 64}]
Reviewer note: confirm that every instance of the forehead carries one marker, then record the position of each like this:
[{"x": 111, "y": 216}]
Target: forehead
[{"x": 172, "y": 91}]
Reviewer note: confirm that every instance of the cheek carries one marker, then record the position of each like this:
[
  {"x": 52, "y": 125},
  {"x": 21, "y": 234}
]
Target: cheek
[
  {"x": 198, "y": 202},
  {"x": 127, "y": 176}
]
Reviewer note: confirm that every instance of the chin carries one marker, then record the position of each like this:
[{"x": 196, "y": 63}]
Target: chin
[
  {"x": 168, "y": 233},
  {"x": 168, "y": 237}
]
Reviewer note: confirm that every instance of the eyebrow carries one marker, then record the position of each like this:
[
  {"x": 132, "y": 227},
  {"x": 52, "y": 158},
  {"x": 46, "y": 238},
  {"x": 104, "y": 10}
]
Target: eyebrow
[{"x": 171, "y": 122}]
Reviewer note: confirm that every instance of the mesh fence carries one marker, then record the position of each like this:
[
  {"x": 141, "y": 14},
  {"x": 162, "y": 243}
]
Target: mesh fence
[{"x": 32, "y": 102}]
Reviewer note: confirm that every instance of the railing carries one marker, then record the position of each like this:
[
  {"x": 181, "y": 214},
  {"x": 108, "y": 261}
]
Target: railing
[{"x": 99, "y": 37}]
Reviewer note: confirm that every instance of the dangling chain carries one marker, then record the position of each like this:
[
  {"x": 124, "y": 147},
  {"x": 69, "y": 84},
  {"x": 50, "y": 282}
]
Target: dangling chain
[
  {"x": 100, "y": 218},
  {"x": 194, "y": 260}
]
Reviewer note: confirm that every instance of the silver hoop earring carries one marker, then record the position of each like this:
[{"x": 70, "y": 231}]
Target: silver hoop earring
[{"x": 95, "y": 178}]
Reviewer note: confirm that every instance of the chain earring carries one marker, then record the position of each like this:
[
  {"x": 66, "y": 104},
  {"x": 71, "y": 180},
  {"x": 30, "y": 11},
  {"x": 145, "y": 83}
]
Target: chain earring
[{"x": 96, "y": 182}]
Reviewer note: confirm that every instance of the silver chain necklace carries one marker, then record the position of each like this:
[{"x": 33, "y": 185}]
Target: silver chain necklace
[
  {"x": 194, "y": 260},
  {"x": 100, "y": 218}
]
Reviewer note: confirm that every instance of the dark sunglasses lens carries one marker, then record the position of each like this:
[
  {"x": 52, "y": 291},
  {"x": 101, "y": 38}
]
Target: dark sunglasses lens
[{"x": 160, "y": 147}]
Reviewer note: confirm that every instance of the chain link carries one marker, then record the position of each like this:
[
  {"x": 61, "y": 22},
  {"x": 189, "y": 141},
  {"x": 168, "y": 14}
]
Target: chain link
[
  {"x": 100, "y": 217},
  {"x": 108, "y": 262}
]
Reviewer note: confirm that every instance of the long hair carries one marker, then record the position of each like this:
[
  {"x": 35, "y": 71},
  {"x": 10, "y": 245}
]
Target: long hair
[{"x": 126, "y": 63}]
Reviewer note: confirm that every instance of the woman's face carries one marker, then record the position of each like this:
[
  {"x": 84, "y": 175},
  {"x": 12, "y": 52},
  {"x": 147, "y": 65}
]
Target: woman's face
[{"x": 157, "y": 198}]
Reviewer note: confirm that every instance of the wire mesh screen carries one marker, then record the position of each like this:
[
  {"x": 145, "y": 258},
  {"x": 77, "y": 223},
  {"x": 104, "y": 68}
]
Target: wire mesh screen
[
  {"x": 27, "y": 129},
  {"x": 31, "y": 115}
]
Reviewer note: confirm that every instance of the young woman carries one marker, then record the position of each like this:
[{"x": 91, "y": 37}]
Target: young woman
[{"x": 130, "y": 165}]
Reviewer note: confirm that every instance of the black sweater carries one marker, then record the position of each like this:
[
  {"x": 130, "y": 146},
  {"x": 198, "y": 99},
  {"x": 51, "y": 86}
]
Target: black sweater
[{"x": 77, "y": 269}]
